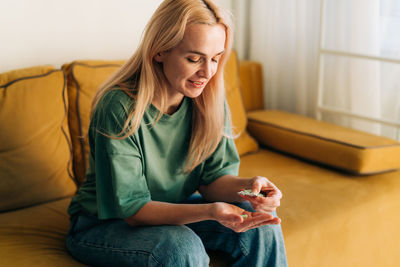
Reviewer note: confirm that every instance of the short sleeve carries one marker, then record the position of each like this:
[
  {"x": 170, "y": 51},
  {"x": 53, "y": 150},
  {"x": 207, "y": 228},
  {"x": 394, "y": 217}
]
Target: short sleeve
[
  {"x": 225, "y": 159},
  {"x": 120, "y": 181}
]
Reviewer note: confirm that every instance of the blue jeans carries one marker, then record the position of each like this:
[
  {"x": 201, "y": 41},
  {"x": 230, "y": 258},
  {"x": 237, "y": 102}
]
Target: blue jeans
[{"x": 115, "y": 243}]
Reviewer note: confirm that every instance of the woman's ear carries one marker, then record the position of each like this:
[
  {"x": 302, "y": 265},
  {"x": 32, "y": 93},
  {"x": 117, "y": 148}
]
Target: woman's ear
[{"x": 159, "y": 57}]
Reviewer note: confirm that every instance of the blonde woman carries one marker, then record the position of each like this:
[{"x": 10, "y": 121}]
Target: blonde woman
[{"x": 159, "y": 132}]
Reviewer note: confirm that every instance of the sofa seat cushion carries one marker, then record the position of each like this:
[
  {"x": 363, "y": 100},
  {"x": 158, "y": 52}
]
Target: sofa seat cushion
[
  {"x": 325, "y": 211},
  {"x": 35, "y": 152},
  {"x": 35, "y": 236},
  {"x": 343, "y": 148}
]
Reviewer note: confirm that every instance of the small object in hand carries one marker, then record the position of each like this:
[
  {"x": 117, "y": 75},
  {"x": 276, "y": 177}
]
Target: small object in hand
[
  {"x": 248, "y": 192},
  {"x": 244, "y": 216}
]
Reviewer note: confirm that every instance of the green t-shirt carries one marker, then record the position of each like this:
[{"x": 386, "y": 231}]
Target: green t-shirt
[{"x": 125, "y": 174}]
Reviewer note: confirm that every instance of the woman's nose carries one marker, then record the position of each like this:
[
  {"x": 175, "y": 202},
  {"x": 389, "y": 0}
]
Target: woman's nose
[{"x": 206, "y": 70}]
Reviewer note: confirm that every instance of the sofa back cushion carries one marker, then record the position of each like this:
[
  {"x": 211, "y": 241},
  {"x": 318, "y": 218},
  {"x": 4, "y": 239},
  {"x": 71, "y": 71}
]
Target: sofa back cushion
[
  {"x": 84, "y": 79},
  {"x": 244, "y": 142},
  {"x": 331, "y": 145},
  {"x": 35, "y": 155}
]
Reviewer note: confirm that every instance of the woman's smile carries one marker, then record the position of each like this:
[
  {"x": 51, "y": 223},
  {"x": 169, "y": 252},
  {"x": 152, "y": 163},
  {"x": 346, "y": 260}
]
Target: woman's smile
[{"x": 197, "y": 84}]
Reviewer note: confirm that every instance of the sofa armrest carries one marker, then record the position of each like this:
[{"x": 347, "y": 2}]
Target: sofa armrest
[
  {"x": 251, "y": 82},
  {"x": 325, "y": 143}
]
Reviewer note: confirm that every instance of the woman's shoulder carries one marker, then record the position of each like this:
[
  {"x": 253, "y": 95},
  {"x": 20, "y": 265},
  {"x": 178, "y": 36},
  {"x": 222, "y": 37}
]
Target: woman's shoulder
[
  {"x": 114, "y": 104},
  {"x": 117, "y": 95},
  {"x": 116, "y": 99}
]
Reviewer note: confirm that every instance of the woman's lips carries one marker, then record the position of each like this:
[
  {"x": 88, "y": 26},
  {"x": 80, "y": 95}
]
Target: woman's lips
[{"x": 197, "y": 83}]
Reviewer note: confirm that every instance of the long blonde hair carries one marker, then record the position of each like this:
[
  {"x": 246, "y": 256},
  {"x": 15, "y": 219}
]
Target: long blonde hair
[{"x": 141, "y": 76}]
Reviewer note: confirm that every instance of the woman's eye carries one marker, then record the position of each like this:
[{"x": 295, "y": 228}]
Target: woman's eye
[
  {"x": 193, "y": 60},
  {"x": 196, "y": 60}
]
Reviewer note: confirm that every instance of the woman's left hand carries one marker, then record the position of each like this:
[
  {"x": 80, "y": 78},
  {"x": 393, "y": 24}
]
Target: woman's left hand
[{"x": 272, "y": 194}]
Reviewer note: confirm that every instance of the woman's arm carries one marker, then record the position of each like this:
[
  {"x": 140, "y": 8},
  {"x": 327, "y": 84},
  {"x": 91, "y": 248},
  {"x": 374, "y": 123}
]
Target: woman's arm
[
  {"x": 225, "y": 189},
  {"x": 161, "y": 213}
]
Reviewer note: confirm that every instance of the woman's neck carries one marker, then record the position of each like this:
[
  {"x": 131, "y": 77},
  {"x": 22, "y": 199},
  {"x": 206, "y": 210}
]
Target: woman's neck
[{"x": 172, "y": 104}]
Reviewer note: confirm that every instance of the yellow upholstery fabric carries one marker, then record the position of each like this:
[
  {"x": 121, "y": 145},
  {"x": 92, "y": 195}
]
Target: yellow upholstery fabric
[
  {"x": 329, "y": 218},
  {"x": 35, "y": 236},
  {"x": 34, "y": 138},
  {"x": 250, "y": 73},
  {"x": 244, "y": 142},
  {"x": 329, "y": 144},
  {"x": 84, "y": 78}
]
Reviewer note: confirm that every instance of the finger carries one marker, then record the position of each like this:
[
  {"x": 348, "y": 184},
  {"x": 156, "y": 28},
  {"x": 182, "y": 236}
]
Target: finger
[
  {"x": 257, "y": 218},
  {"x": 271, "y": 192},
  {"x": 274, "y": 221},
  {"x": 277, "y": 220},
  {"x": 255, "y": 224},
  {"x": 274, "y": 193},
  {"x": 263, "y": 208},
  {"x": 234, "y": 218},
  {"x": 231, "y": 217},
  {"x": 274, "y": 190},
  {"x": 268, "y": 187},
  {"x": 266, "y": 209},
  {"x": 263, "y": 203},
  {"x": 273, "y": 202},
  {"x": 256, "y": 187},
  {"x": 246, "y": 225},
  {"x": 249, "y": 198}
]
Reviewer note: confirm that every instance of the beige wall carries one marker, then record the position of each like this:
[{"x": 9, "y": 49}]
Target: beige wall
[{"x": 36, "y": 32}]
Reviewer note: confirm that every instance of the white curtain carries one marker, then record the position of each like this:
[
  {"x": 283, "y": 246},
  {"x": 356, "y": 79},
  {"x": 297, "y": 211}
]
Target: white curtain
[
  {"x": 284, "y": 36},
  {"x": 352, "y": 84},
  {"x": 363, "y": 86},
  {"x": 390, "y": 73}
]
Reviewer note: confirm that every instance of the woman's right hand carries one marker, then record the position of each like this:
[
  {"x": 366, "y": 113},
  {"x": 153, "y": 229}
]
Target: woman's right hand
[{"x": 231, "y": 216}]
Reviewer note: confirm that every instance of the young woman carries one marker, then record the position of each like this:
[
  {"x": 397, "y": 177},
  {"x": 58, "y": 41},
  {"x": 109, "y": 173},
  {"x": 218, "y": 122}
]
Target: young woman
[{"x": 160, "y": 131}]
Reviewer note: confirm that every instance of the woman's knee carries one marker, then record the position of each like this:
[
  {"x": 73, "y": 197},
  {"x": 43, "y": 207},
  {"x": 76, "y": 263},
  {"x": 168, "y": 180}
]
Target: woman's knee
[
  {"x": 265, "y": 244},
  {"x": 141, "y": 246},
  {"x": 180, "y": 246}
]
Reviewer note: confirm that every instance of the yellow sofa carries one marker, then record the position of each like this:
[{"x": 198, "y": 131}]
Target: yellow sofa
[{"x": 341, "y": 187}]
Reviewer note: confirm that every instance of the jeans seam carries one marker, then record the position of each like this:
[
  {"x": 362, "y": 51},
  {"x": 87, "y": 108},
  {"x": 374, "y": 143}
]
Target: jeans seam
[
  {"x": 115, "y": 249},
  {"x": 243, "y": 247}
]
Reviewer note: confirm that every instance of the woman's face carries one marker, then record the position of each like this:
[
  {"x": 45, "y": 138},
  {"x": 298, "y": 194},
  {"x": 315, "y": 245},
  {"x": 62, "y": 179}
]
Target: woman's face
[{"x": 193, "y": 62}]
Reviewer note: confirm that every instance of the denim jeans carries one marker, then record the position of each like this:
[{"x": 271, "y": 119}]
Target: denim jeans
[{"x": 115, "y": 243}]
